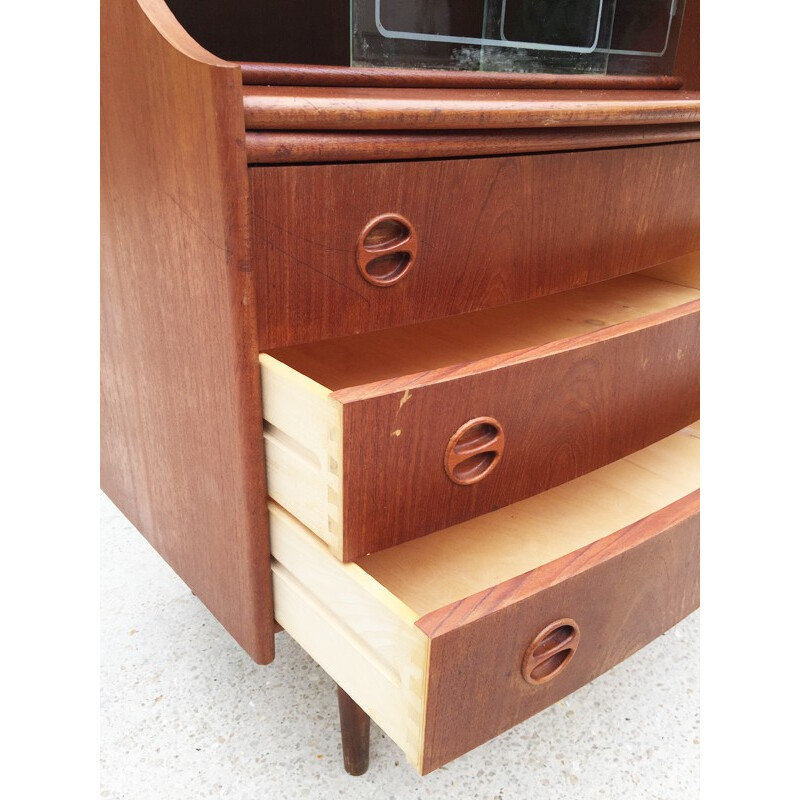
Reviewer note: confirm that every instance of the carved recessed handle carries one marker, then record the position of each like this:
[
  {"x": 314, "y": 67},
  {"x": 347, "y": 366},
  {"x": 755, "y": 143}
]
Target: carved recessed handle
[
  {"x": 386, "y": 249},
  {"x": 474, "y": 450},
  {"x": 550, "y": 652}
]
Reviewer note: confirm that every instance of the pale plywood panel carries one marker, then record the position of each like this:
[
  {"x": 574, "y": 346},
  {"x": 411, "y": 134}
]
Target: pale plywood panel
[
  {"x": 303, "y": 440},
  {"x": 684, "y": 271},
  {"x": 361, "y": 635},
  {"x": 357, "y": 620},
  {"x": 303, "y": 448}
]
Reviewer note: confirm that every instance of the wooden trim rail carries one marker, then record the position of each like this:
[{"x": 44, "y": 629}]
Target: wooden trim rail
[
  {"x": 284, "y": 147},
  {"x": 328, "y": 108},
  {"x": 260, "y": 74}
]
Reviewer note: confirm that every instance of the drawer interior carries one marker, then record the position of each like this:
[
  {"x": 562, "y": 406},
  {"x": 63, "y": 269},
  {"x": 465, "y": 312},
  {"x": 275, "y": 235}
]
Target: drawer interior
[
  {"x": 362, "y": 621},
  {"x": 456, "y": 562},
  {"x": 306, "y": 388},
  {"x": 354, "y": 361}
]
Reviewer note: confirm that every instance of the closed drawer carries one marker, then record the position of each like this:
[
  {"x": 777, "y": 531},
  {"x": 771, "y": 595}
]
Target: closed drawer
[
  {"x": 451, "y": 639},
  {"x": 480, "y": 233},
  {"x": 376, "y": 439}
]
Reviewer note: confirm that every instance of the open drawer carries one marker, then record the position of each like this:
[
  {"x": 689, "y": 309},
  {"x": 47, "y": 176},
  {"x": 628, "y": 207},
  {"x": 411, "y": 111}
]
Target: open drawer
[
  {"x": 448, "y": 640},
  {"x": 376, "y": 439}
]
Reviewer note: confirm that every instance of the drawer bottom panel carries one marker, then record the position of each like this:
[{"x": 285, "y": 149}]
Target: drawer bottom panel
[{"x": 450, "y": 639}]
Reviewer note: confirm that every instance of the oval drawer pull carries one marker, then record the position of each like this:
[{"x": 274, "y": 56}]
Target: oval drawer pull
[
  {"x": 386, "y": 249},
  {"x": 474, "y": 450},
  {"x": 549, "y": 653}
]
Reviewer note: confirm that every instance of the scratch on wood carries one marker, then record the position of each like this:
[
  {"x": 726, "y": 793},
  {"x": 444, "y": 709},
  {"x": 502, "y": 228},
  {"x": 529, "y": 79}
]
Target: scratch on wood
[
  {"x": 295, "y": 235},
  {"x": 197, "y": 224},
  {"x": 403, "y": 400},
  {"x": 313, "y": 269}
]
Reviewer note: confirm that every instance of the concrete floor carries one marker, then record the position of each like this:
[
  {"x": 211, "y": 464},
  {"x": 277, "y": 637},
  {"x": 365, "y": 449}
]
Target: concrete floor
[{"x": 186, "y": 714}]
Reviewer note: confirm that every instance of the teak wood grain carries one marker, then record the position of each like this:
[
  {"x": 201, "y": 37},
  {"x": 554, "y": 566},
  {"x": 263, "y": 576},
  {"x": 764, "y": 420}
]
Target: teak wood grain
[
  {"x": 466, "y": 344},
  {"x": 305, "y": 387},
  {"x": 181, "y": 447},
  {"x": 491, "y": 231},
  {"x": 280, "y": 147},
  {"x": 335, "y": 108},
  {"x": 376, "y": 625},
  {"x": 181, "y": 434},
  {"x": 623, "y": 591},
  {"x": 566, "y": 409},
  {"x": 575, "y": 380},
  {"x": 272, "y": 74}
]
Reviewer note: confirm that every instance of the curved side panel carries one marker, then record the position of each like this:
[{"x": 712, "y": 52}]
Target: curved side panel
[
  {"x": 164, "y": 21},
  {"x": 180, "y": 402}
]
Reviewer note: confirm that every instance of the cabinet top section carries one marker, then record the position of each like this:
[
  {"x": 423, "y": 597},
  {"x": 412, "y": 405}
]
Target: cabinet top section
[{"x": 478, "y": 42}]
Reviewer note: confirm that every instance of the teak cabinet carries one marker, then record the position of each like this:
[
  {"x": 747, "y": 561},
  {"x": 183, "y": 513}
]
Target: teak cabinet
[{"x": 406, "y": 363}]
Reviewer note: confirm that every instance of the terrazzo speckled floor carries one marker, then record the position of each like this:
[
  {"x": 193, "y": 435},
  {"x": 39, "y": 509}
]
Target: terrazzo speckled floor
[{"x": 186, "y": 715}]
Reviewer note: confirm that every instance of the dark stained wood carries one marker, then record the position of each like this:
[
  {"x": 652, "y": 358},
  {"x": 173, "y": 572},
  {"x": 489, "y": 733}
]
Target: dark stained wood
[
  {"x": 566, "y": 409},
  {"x": 181, "y": 447},
  {"x": 334, "y": 108},
  {"x": 271, "y": 74},
  {"x": 354, "y": 724},
  {"x": 491, "y": 231},
  {"x": 623, "y": 591},
  {"x": 687, "y": 62},
  {"x": 281, "y": 147},
  {"x": 269, "y": 30}
]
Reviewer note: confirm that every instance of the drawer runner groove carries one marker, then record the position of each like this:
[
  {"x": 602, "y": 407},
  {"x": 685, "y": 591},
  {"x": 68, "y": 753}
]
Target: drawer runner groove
[{"x": 389, "y": 672}]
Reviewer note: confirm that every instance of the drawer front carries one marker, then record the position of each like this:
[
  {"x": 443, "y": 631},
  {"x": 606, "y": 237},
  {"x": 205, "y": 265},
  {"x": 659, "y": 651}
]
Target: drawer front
[
  {"x": 481, "y": 232},
  {"x": 448, "y": 640},
  {"x": 562, "y": 412},
  {"x": 608, "y": 600}
]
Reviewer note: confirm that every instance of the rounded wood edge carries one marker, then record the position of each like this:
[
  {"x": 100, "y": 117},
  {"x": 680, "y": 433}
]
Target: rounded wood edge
[
  {"x": 392, "y": 109},
  {"x": 458, "y": 452},
  {"x": 562, "y": 650},
  {"x": 189, "y": 121},
  {"x": 682, "y": 514},
  {"x": 167, "y": 25},
  {"x": 276, "y": 147}
]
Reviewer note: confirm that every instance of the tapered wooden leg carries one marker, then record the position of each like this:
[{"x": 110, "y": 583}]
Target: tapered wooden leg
[{"x": 355, "y": 734}]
